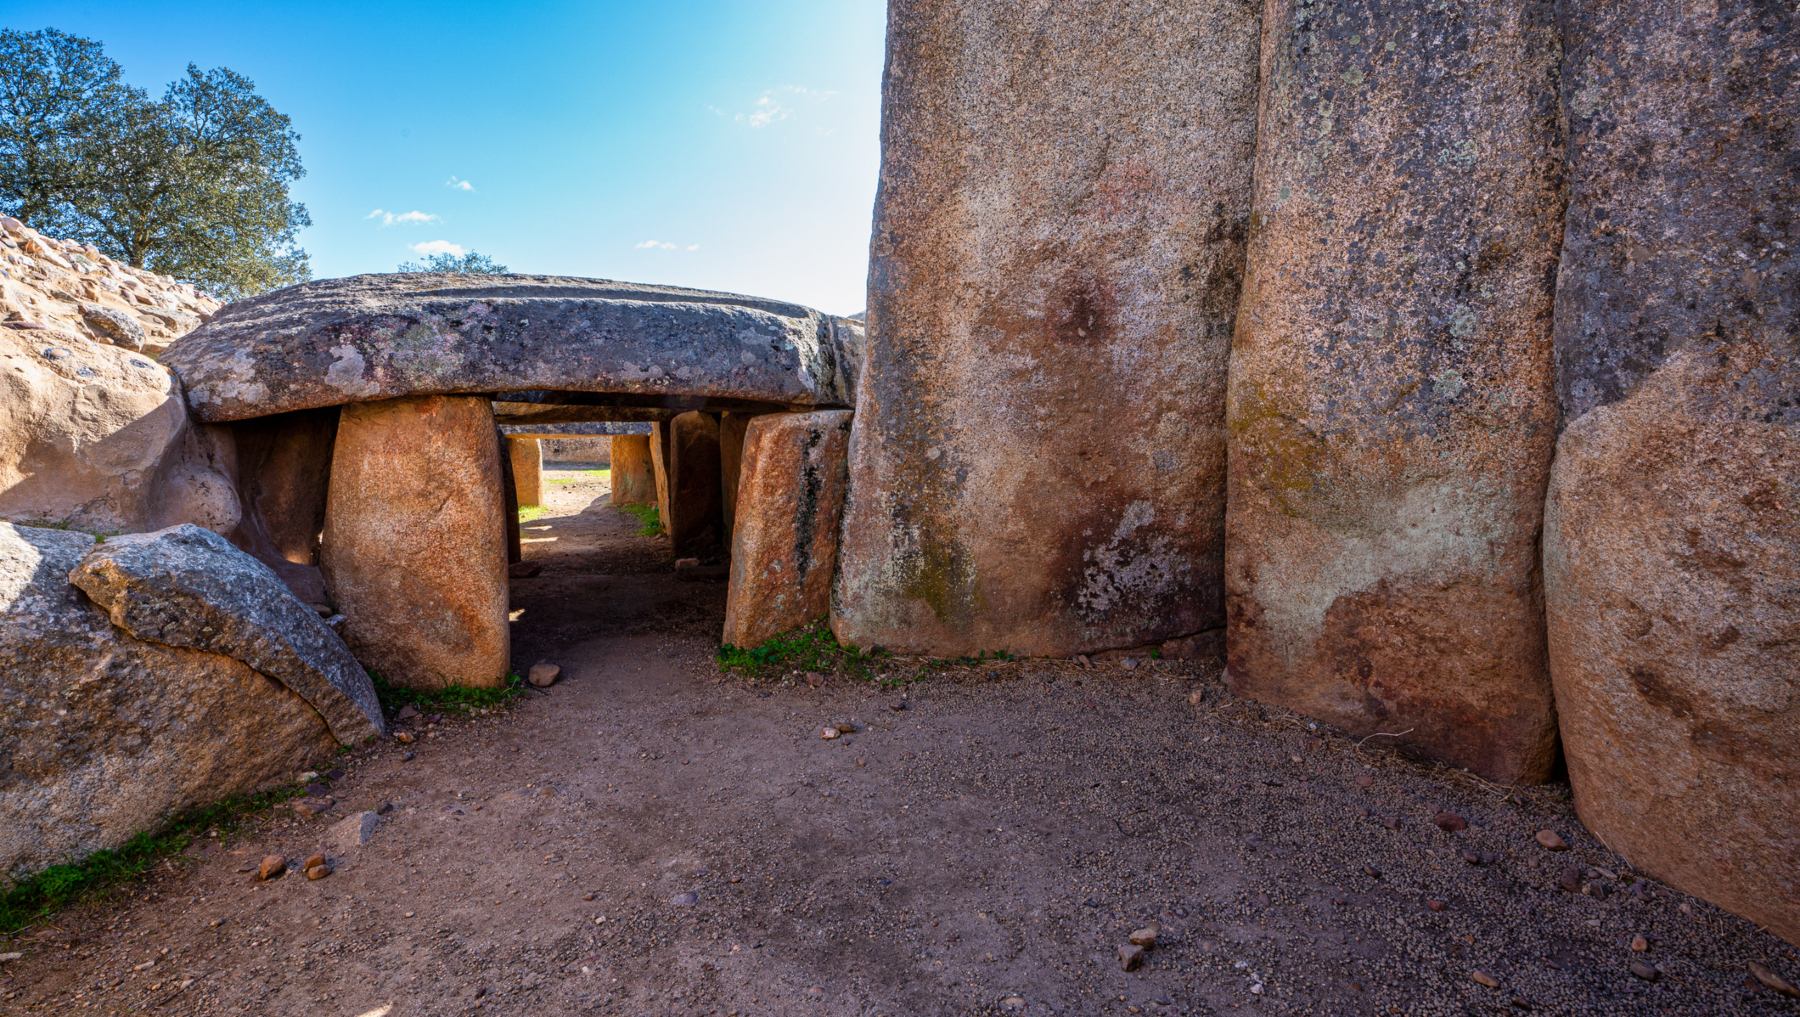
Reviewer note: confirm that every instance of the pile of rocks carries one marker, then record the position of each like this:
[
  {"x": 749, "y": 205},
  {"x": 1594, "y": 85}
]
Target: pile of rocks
[{"x": 60, "y": 286}]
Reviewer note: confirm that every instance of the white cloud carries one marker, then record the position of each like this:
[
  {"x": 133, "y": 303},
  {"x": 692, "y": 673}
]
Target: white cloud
[
  {"x": 777, "y": 104},
  {"x": 663, "y": 245},
  {"x": 457, "y": 183},
  {"x": 439, "y": 247},
  {"x": 413, "y": 218}
]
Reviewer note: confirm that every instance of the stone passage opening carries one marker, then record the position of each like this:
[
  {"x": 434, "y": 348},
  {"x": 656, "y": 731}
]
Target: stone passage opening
[{"x": 391, "y": 429}]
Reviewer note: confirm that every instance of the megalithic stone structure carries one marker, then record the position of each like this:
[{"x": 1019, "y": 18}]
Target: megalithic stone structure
[
  {"x": 1672, "y": 536},
  {"x": 1038, "y": 457},
  {"x": 633, "y": 477},
  {"x": 527, "y": 456},
  {"x": 1391, "y": 413}
]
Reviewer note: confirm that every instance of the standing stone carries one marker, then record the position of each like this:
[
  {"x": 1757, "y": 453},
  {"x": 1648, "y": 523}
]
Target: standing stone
[
  {"x": 1672, "y": 535},
  {"x": 527, "y": 458},
  {"x": 695, "y": 519},
  {"x": 633, "y": 475},
  {"x": 659, "y": 468},
  {"x": 732, "y": 428},
  {"x": 415, "y": 542},
  {"x": 283, "y": 464},
  {"x": 1392, "y": 411},
  {"x": 790, "y": 501},
  {"x": 509, "y": 498},
  {"x": 1038, "y": 463}
]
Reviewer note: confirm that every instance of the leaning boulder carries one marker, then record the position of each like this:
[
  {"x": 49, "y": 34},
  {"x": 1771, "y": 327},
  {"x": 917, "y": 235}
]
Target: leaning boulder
[
  {"x": 1391, "y": 411},
  {"x": 415, "y": 548},
  {"x": 102, "y": 735},
  {"x": 1672, "y": 532},
  {"x": 188, "y": 587},
  {"x": 790, "y": 500}
]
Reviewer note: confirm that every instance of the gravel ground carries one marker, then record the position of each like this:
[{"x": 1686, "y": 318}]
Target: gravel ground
[{"x": 649, "y": 837}]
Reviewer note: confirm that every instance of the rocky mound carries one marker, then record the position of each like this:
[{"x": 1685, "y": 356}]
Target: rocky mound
[{"x": 60, "y": 286}]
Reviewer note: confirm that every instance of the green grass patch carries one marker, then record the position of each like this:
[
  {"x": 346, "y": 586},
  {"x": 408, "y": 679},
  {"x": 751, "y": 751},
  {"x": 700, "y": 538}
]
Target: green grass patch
[
  {"x": 527, "y": 513},
  {"x": 812, "y": 648},
  {"x": 449, "y": 699},
  {"x": 57, "y": 887},
  {"x": 586, "y": 476},
  {"x": 649, "y": 520}
]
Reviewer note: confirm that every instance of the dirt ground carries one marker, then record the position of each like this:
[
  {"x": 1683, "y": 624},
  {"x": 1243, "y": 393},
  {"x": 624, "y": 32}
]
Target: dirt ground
[{"x": 648, "y": 837}]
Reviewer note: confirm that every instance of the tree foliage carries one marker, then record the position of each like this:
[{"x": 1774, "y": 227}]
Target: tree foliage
[
  {"x": 471, "y": 263},
  {"x": 192, "y": 185}
]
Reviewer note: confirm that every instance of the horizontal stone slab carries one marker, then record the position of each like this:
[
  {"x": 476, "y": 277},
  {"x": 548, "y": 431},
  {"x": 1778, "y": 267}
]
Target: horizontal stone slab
[{"x": 374, "y": 337}]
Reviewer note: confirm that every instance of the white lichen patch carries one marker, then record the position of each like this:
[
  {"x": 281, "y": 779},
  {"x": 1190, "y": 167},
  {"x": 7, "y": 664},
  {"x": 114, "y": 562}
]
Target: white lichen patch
[
  {"x": 347, "y": 372},
  {"x": 1129, "y": 568}
]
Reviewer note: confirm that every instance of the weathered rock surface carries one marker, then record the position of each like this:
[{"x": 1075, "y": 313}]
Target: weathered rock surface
[
  {"x": 732, "y": 428},
  {"x": 96, "y": 437},
  {"x": 66, "y": 291},
  {"x": 374, "y": 337},
  {"x": 527, "y": 459},
  {"x": 1392, "y": 411},
  {"x": 414, "y": 551},
  {"x": 1672, "y": 534},
  {"x": 633, "y": 476},
  {"x": 283, "y": 466},
  {"x": 1038, "y": 463},
  {"x": 695, "y": 518},
  {"x": 106, "y": 736},
  {"x": 188, "y": 587},
  {"x": 790, "y": 502},
  {"x": 659, "y": 468}
]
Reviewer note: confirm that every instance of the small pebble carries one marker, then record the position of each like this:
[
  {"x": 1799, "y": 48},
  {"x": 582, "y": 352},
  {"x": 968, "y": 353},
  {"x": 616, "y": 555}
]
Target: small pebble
[
  {"x": 1131, "y": 956},
  {"x": 403, "y": 737},
  {"x": 271, "y": 868},
  {"x": 1639, "y": 944},
  {"x": 1450, "y": 822},
  {"x": 1015, "y": 1004},
  {"x": 828, "y": 732},
  {"x": 1146, "y": 936},
  {"x": 1434, "y": 904},
  {"x": 1768, "y": 978},
  {"x": 685, "y": 900},
  {"x": 1483, "y": 978},
  {"x": 1645, "y": 971},
  {"x": 1550, "y": 840},
  {"x": 543, "y": 674}
]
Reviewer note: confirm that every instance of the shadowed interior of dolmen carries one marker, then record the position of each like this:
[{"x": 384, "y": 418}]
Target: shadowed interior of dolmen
[{"x": 1308, "y": 523}]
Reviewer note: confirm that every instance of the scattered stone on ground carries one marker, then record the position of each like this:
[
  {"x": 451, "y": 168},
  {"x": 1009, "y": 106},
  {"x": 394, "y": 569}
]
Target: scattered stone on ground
[
  {"x": 1550, "y": 840},
  {"x": 353, "y": 831},
  {"x": 272, "y": 867},
  {"x": 543, "y": 674}
]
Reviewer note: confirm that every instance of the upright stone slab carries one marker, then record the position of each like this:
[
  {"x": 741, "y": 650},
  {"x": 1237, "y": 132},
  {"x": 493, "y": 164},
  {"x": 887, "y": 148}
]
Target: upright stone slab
[
  {"x": 527, "y": 458},
  {"x": 790, "y": 502},
  {"x": 1672, "y": 536},
  {"x": 283, "y": 466},
  {"x": 732, "y": 430},
  {"x": 695, "y": 518},
  {"x": 415, "y": 541},
  {"x": 659, "y": 468},
  {"x": 633, "y": 475},
  {"x": 1391, "y": 411},
  {"x": 1038, "y": 458}
]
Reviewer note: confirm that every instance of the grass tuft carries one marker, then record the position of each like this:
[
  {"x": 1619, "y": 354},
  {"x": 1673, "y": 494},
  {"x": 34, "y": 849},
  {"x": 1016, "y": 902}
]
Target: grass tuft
[
  {"x": 449, "y": 699},
  {"x": 58, "y": 886},
  {"x": 527, "y": 513},
  {"x": 812, "y": 648},
  {"x": 649, "y": 520}
]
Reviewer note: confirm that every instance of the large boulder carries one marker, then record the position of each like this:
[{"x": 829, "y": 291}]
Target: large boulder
[
  {"x": 102, "y": 735},
  {"x": 1672, "y": 536},
  {"x": 1392, "y": 412},
  {"x": 370, "y": 337},
  {"x": 1038, "y": 462},
  {"x": 187, "y": 586},
  {"x": 415, "y": 548},
  {"x": 96, "y": 437},
  {"x": 790, "y": 501}
]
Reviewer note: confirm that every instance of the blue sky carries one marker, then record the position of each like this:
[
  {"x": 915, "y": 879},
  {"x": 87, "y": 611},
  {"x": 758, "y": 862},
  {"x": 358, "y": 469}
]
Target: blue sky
[{"x": 730, "y": 146}]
